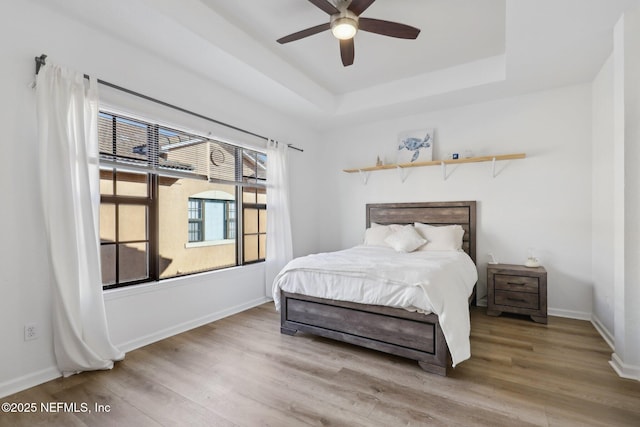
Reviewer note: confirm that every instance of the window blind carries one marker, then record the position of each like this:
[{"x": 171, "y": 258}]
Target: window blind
[{"x": 133, "y": 143}]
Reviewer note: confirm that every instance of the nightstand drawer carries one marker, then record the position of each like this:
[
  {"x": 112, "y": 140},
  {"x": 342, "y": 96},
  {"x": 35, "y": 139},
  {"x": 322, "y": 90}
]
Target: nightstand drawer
[
  {"x": 517, "y": 299},
  {"x": 508, "y": 282}
]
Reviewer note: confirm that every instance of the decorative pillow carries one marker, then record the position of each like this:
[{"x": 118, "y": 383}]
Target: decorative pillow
[
  {"x": 375, "y": 235},
  {"x": 405, "y": 239},
  {"x": 443, "y": 238}
]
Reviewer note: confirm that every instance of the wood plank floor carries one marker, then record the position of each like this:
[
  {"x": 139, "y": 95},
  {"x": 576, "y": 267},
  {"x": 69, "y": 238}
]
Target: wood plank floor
[{"x": 242, "y": 371}]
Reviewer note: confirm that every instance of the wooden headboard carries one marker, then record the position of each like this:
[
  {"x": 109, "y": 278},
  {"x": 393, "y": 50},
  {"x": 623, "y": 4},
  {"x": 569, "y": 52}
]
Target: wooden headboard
[{"x": 434, "y": 213}]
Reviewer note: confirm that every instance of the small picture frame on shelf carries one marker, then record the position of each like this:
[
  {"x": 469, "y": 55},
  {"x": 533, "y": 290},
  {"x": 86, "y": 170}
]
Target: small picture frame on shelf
[{"x": 415, "y": 146}]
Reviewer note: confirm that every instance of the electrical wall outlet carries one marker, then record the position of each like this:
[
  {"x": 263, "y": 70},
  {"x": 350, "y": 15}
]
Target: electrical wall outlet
[{"x": 30, "y": 331}]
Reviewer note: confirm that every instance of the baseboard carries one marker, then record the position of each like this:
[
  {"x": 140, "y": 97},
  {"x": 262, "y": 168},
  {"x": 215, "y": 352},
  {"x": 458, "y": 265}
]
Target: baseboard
[
  {"x": 16, "y": 385},
  {"x": 183, "y": 327},
  {"x": 623, "y": 370},
  {"x": 569, "y": 314},
  {"x": 603, "y": 331}
]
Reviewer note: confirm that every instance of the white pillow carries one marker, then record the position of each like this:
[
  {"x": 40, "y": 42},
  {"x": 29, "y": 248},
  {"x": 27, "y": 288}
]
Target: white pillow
[
  {"x": 405, "y": 239},
  {"x": 443, "y": 238},
  {"x": 375, "y": 235}
]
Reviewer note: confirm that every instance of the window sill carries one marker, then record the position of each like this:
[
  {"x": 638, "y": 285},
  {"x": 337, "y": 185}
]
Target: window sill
[
  {"x": 210, "y": 243},
  {"x": 189, "y": 280}
]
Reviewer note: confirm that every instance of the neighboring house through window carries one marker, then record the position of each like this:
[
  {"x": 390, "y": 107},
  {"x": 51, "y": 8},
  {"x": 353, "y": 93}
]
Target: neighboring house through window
[{"x": 212, "y": 217}]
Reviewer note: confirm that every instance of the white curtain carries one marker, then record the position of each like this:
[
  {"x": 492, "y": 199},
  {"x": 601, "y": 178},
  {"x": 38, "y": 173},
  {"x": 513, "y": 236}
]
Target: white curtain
[
  {"x": 279, "y": 241},
  {"x": 69, "y": 181}
]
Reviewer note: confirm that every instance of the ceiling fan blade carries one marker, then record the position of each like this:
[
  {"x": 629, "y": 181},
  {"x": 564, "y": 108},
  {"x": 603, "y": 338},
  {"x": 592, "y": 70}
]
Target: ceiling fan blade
[
  {"x": 347, "y": 52},
  {"x": 359, "y": 6},
  {"x": 325, "y": 6},
  {"x": 388, "y": 28},
  {"x": 304, "y": 33}
]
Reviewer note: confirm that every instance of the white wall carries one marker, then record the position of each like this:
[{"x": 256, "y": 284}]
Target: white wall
[
  {"x": 630, "y": 354},
  {"x": 138, "y": 315},
  {"x": 602, "y": 205},
  {"x": 626, "y": 176},
  {"x": 543, "y": 201},
  {"x": 632, "y": 184},
  {"x": 616, "y": 204}
]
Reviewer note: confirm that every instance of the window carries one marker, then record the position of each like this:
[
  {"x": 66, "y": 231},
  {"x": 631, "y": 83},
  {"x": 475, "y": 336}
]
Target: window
[
  {"x": 211, "y": 220},
  {"x": 124, "y": 227},
  {"x": 172, "y": 203},
  {"x": 196, "y": 226},
  {"x": 255, "y": 224}
]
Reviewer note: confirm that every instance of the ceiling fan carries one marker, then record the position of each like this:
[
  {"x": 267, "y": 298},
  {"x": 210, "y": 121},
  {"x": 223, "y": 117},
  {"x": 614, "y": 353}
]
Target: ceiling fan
[{"x": 346, "y": 21}]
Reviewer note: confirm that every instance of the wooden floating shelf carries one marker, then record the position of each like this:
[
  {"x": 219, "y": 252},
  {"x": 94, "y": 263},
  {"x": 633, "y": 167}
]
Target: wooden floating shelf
[{"x": 439, "y": 162}]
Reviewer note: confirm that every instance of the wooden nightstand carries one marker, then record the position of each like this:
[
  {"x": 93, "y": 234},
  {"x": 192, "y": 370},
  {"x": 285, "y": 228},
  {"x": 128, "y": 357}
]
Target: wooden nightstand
[{"x": 517, "y": 289}]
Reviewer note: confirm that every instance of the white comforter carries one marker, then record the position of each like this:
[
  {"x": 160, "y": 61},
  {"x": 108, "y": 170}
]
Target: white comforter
[{"x": 430, "y": 281}]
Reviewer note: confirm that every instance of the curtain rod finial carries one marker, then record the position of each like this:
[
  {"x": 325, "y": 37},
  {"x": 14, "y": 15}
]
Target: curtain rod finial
[{"x": 40, "y": 61}]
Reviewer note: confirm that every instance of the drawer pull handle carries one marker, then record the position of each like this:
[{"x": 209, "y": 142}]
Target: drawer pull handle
[
  {"x": 517, "y": 299},
  {"x": 516, "y": 284}
]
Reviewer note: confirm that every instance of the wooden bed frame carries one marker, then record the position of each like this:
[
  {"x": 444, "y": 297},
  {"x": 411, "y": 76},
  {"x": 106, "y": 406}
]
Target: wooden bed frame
[{"x": 391, "y": 330}]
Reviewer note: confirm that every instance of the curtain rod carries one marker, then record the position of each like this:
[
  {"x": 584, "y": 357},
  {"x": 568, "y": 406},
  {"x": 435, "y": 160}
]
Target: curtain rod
[{"x": 40, "y": 61}]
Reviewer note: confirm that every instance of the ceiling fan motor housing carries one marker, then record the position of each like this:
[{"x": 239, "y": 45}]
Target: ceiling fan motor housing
[{"x": 347, "y": 19}]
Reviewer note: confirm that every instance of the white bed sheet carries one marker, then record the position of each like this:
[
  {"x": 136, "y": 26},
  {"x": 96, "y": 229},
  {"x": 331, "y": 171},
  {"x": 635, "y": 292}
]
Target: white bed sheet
[{"x": 437, "y": 282}]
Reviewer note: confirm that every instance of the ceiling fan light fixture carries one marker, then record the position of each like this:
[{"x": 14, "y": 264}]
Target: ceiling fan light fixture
[
  {"x": 344, "y": 28},
  {"x": 345, "y": 22}
]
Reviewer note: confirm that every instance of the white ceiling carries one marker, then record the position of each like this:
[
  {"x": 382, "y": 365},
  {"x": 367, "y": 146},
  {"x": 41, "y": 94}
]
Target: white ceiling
[
  {"x": 468, "y": 50},
  {"x": 452, "y": 32}
]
